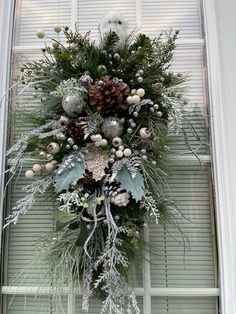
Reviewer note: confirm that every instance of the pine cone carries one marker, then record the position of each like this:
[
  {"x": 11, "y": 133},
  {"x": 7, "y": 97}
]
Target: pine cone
[
  {"x": 108, "y": 94},
  {"x": 88, "y": 181},
  {"x": 75, "y": 130}
]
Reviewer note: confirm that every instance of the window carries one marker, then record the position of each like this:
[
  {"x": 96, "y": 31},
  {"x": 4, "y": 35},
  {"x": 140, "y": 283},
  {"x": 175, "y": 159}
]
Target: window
[{"x": 177, "y": 282}]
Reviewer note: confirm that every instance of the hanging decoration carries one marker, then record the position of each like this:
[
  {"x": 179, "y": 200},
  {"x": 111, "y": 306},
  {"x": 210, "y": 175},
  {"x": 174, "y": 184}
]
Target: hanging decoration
[{"x": 106, "y": 114}]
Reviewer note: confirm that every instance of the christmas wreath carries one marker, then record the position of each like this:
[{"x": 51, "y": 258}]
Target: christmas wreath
[{"x": 106, "y": 115}]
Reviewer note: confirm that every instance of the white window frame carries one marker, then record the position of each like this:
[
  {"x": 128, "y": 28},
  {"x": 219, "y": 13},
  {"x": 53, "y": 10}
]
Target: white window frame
[{"x": 226, "y": 216}]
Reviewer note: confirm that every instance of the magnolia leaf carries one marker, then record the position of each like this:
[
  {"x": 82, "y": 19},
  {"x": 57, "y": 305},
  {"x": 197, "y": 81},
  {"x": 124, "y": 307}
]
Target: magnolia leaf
[
  {"x": 64, "y": 217},
  {"x": 133, "y": 185},
  {"x": 64, "y": 179}
]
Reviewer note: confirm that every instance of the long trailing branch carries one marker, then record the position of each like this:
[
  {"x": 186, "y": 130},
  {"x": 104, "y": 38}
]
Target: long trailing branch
[{"x": 26, "y": 203}]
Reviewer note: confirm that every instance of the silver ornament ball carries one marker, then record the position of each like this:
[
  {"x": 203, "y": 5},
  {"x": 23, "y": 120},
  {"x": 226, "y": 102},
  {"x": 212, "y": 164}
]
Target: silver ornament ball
[
  {"x": 73, "y": 105},
  {"x": 112, "y": 127}
]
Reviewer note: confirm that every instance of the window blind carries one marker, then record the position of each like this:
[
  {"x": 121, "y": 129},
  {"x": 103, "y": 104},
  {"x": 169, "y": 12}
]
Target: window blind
[{"x": 177, "y": 266}]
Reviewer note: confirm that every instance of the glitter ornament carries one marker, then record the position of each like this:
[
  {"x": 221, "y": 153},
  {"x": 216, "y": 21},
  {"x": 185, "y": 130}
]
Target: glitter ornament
[
  {"x": 144, "y": 133},
  {"x": 112, "y": 127},
  {"x": 73, "y": 105},
  {"x": 29, "y": 174}
]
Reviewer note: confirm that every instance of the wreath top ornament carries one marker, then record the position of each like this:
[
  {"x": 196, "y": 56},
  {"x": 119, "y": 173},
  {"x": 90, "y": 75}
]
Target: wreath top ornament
[{"x": 105, "y": 117}]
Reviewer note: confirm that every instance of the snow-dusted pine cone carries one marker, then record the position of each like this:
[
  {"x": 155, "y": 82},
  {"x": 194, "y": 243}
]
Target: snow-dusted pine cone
[
  {"x": 108, "y": 94},
  {"x": 75, "y": 130}
]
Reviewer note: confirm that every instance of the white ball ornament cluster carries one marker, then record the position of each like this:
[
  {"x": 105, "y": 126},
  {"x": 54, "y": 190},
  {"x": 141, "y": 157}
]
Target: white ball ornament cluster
[
  {"x": 99, "y": 140},
  {"x": 136, "y": 96}
]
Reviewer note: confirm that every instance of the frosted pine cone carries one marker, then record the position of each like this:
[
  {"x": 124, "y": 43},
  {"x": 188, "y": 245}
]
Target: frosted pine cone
[{"x": 108, "y": 94}]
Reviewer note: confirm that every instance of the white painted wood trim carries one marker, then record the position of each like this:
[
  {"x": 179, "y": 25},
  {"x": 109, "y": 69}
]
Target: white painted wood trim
[
  {"x": 175, "y": 292},
  {"x": 225, "y": 213},
  {"x": 6, "y": 27}
]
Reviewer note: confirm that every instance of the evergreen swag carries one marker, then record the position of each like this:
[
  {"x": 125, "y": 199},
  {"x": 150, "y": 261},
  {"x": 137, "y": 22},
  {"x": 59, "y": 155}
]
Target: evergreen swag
[{"x": 105, "y": 118}]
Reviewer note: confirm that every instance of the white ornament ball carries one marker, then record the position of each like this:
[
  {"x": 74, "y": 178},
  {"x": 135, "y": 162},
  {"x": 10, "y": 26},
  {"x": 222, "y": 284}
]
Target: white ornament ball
[
  {"x": 64, "y": 120},
  {"x": 42, "y": 154},
  {"x": 54, "y": 162},
  {"x": 97, "y": 143},
  {"x": 136, "y": 99},
  {"x": 130, "y": 100},
  {"x": 53, "y": 148},
  {"x": 61, "y": 136},
  {"x": 159, "y": 114},
  {"x": 98, "y": 138},
  {"x": 37, "y": 168},
  {"x": 140, "y": 92},
  {"x": 156, "y": 106},
  {"x": 127, "y": 152},
  {"x": 104, "y": 142},
  {"x": 117, "y": 141},
  {"x": 140, "y": 79},
  {"x": 55, "y": 45},
  {"x": 93, "y": 138},
  {"x": 133, "y": 92},
  {"x": 49, "y": 157},
  {"x": 40, "y": 33},
  {"x": 57, "y": 28},
  {"x": 73, "y": 105},
  {"x": 121, "y": 147},
  {"x": 119, "y": 154},
  {"x": 29, "y": 174},
  {"x": 49, "y": 166},
  {"x": 144, "y": 133},
  {"x": 129, "y": 130}
]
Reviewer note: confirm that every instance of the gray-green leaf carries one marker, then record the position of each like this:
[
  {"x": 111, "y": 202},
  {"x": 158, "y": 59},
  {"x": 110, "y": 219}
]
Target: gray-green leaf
[
  {"x": 133, "y": 185},
  {"x": 64, "y": 179}
]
